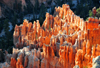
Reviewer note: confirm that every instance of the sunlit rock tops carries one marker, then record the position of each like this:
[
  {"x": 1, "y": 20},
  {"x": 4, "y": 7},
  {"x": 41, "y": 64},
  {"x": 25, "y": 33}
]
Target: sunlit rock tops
[{"x": 63, "y": 41}]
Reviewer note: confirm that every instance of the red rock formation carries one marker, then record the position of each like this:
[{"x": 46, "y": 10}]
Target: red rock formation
[
  {"x": 63, "y": 41},
  {"x": 19, "y": 64},
  {"x": 13, "y": 63}
]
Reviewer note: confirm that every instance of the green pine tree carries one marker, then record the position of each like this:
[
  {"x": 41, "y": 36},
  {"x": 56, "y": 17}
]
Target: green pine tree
[
  {"x": 98, "y": 12},
  {"x": 19, "y": 7},
  {"x": 59, "y": 2},
  {"x": 14, "y": 19},
  {"x": 70, "y": 4},
  {"x": 90, "y": 13},
  {"x": 36, "y": 7},
  {"x": 6, "y": 26}
]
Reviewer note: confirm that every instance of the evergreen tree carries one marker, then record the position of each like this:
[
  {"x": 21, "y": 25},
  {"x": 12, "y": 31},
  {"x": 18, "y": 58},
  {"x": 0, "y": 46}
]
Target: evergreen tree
[
  {"x": 25, "y": 12},
  {"x": 70, "y": 4},
  {"x": 7, "y": 33},
  {"x": 36, "y": 7},
  {"x": 29, "y": 6},
  {"x": 14, "y": 19},
  {"x": 1, "y": 56},
  {"x": 98, "y": 12},
  {"x": 1, "y": 22},
  {"x": 43, "y": 10},
  {"x": 15, "y": 5},
  {"x": 96, "y": 3},
  {"x": 90, "y": 4},
  {"x": 34, "y": 15},
  {"x": 82, "y": 9},
  {"x": 6, "y": 26},
  {"x": 59, "y": 2},
  {"x": 19, "y": 7},
  {"x": 64, "y": 1},
  {"x": 41, "y": 20},
  {"x": 49, "y": 2},
  {"x": 21, "y": 18},
  {"x": 90, "y": 13}
]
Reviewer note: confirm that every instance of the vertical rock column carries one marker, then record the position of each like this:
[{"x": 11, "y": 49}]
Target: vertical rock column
[{"x": 13, "y": 63}]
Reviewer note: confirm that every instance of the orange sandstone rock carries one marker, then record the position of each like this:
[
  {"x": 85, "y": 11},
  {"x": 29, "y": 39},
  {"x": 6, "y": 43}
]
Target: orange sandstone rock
[{"x": 64, "y": 40}]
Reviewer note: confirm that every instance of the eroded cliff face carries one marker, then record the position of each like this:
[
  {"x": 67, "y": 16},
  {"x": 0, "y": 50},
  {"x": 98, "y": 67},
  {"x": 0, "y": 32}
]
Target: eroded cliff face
[{"x": 63, "y": 41}]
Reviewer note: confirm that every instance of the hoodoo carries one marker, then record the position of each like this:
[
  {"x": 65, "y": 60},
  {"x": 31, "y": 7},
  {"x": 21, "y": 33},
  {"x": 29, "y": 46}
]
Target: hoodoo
[{"x": 63, "y": 41}]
